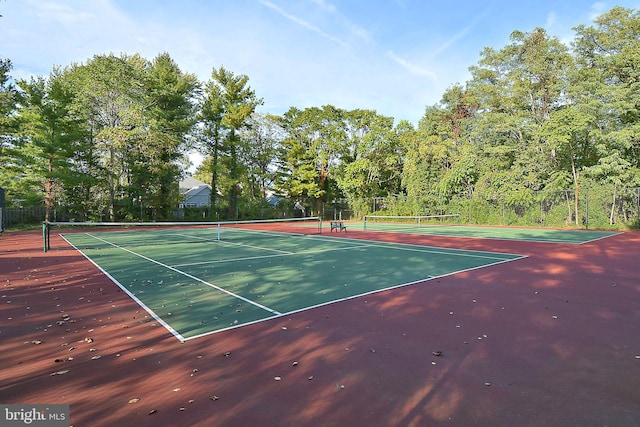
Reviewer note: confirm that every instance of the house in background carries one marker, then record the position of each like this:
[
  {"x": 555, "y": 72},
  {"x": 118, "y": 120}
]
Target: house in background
[{"x": 195, "y": 193}]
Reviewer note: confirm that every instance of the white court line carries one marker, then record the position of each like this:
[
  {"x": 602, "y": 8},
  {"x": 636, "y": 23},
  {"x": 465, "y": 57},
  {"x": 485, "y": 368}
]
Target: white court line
[
  {"x": 397, "y": 246},
  {"x": 131, "y": 295},
  {"x": 506, "y": 236},
  {"x": 240, "y": 297},
  {"x": 233, "y": 243},
  {"x": 312, "y": 252},
  {"x": 257, "y": 247},
  {"x": 440, "y": 252},
  {"x": 425, "y": 249},
  {"x": 601, "y": 237},
  {"x": 220, "y": 261},
  {"x": 350, "y": 297}
]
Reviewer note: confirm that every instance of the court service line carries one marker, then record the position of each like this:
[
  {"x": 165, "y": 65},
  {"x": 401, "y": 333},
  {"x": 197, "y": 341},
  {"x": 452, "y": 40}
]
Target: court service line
[
  {"x": 354, "y": 296},
  {"x": 311, "y": 252},
  {"x": 234, "y": 243},
  {"x": 460, "y": 252},
  {"x": 406, "y": 284},
  {"x": 344, "y": 248},
  {"x": 257, "y": 247},
  {"x": 220, "y": 261},
  {"x": 190, "y": 276},
  {"x": 427, "y": 249},
  {"x": 398, "y": 246}
]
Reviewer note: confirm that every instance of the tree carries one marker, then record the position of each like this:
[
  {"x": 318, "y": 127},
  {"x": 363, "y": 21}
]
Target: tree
[
  {"x": 111, "y": 95},
  {"x": 169, "y": 115},
  {"x": 568, "y": 133},
  {"x": 226, "y": 109},
  {"x": 608, "y": 85},
  {"x": 517, "y": 90},
  {"x": 139, "y": 113},
  {"x": 296, "y": 177},
  {"x": 261, "y": 149},
  {"x": 51, "y": 135},
  {"x": 315, "y": 143},
  {"x": 7, "y": 122},
  {"x": 7, "y": 103},
  {"x": 212, "y": 136},
  {"x": 370, "y": 166}
]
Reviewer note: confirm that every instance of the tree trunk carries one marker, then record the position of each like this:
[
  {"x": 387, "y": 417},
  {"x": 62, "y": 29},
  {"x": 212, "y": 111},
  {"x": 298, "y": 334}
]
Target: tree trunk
[
  {"x": 613, "y": 204},
  {"x": 214, "y": 175},
  {"x": 576, "y": 176},
  {"x": 112, "y": 187},
  {"x": 48, "y": 197},
  {"x": 233, "y": 191}
]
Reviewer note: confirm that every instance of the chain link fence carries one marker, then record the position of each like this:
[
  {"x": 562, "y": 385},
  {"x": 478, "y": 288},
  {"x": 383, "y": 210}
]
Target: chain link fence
[{"x": 596, "y": 207}]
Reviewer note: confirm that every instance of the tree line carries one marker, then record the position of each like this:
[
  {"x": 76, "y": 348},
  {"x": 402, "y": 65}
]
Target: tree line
[{"x": 536, "y": 115}]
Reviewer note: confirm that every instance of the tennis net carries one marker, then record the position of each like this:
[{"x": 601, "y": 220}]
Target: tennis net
[
  {"x": 96, "y": 235},
  {"x": 408, "y": 222}
]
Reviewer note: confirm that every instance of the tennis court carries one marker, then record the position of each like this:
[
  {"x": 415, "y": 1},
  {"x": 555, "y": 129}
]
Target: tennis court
[
  {"x": 506, "y": 337},
  {"x": 448, "y": 225},
  {"x": 197, "y": 281}
]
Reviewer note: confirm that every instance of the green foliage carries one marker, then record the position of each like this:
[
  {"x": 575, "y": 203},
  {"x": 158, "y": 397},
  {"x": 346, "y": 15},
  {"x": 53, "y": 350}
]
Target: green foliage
[
  {"x": 370, "y": 162},
  {"x": 51, "y": 135},
  {"x": 315, "y": 138},
  {"x": 8, "y": 126},
  {"x": 226, "y": 110},
  {"x": 7, "y": 103}
]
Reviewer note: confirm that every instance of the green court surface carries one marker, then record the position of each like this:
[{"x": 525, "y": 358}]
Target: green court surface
[
  {"x": 503, "y": 233},
  {"x": 195, "y": 284}
]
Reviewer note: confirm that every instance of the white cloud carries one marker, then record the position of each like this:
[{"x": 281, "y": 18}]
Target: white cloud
[
  {"x": 453, "y": 40},
  {"x": 303, "y": 23},
  {"x": 64, "y": 14},
  {"x": 413, "y": 68},
  {"x": 353, "y": 28}
]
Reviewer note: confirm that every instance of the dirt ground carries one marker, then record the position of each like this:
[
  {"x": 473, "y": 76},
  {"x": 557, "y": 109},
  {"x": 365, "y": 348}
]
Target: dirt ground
[{"x": 549, "y": 340}]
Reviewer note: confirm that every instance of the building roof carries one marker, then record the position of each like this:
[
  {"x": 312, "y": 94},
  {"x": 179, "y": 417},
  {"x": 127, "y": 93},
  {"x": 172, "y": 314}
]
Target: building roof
[{"x": 189, "y": 185}]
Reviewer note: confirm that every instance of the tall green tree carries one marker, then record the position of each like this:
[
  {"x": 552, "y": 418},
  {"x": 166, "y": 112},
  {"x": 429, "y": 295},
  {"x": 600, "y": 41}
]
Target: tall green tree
[
  {"x": 315, "y": 143},
  {"x": 51, "y": 135},
  {"x": 212, "y": 137},
  {"x": 458, "y": 164},
  {"x": 111, "y": 97},
  {"x": 517, "y": 90},
  {"x": 297, "y": 176},
  {"x": 433, "y": 169},
  {"x": 169, "y": 113},
  {"x": 607, "y": 85},
  {"x": 226, "y": 109},
  {"x": 7, "y": 103},
  {"x": 371, "y": 164},
  {"x": 261, "y": 150},
  {"x": 7, "y": 123}
]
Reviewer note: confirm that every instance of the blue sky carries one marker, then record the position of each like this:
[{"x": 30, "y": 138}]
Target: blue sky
[{"x": 393, "y": 56}]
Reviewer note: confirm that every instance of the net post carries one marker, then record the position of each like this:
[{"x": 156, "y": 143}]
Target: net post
[
  {"x": 364, "y": 223},
  {"x": 45, "y": 236},
  {"x": 219, "y": 231},
  {"x": 319, "y": 225}
]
